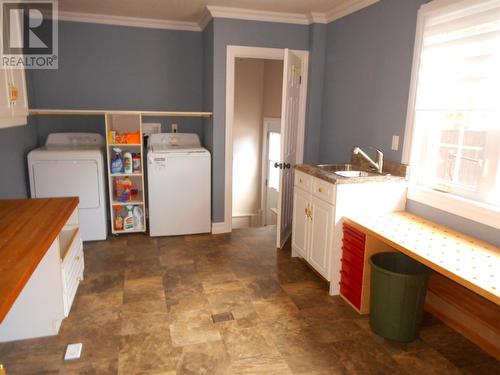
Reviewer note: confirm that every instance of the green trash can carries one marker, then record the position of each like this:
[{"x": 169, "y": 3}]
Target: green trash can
[{"x": 398, "y": 287}]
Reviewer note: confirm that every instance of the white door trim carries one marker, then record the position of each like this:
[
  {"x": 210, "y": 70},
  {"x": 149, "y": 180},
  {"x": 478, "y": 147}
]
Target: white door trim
[{"x": 233, "y": 52}]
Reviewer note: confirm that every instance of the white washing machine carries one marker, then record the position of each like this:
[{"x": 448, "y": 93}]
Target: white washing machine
[
  {"x": 179, "y": 172},
  {"x": 72, "y": 164}
]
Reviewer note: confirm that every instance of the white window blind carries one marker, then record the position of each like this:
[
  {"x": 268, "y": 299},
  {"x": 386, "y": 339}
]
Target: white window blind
[{"x": 456, "y": 125}]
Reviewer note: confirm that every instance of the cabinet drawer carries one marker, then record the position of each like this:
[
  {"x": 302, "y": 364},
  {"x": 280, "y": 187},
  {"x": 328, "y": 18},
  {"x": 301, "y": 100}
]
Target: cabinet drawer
[
  {"x": 352, "y": 233},
  {"x": 351, "y": 295},
  {"x": 350, "y": 283},
  {"x": 323, "y": 190},
  {"x": 355, "y": 273},
  {"x": 72, "y": 273},
  {"x": 354, "y": 259},
  {"x": 353, "y": 247},
  {"x": 303, "y": 180}
]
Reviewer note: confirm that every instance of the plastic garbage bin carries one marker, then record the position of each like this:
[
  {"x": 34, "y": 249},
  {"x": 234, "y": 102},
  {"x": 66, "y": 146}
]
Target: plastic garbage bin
[{"x": 398, "y": 287}]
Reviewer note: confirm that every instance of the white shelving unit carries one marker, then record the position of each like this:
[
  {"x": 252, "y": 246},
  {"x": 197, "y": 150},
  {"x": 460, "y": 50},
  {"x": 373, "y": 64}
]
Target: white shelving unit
[{"x": 125, "y": 123}]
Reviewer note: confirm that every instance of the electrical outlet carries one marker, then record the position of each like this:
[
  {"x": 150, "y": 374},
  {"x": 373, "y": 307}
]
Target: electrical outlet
[
  {"x": 73, "y": 351},
  {"x": 149, "y": 128},
  {"x": 395, "y": 143},
  {"x": 174, "y": 128}
]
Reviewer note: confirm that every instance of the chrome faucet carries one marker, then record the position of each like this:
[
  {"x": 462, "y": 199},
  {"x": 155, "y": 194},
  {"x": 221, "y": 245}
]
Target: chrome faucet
[{"x": 378, "y": 165}]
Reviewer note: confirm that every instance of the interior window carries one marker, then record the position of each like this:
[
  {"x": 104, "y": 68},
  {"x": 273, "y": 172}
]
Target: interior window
[
  {"x": 455, "y": 146},
  {"x": 274, "y": 156}
]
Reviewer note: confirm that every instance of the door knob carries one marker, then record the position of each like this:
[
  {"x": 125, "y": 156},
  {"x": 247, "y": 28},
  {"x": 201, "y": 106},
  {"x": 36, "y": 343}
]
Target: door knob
[
  {"x": 286, "y": 166},
  {"x": 278, "y": 165}
]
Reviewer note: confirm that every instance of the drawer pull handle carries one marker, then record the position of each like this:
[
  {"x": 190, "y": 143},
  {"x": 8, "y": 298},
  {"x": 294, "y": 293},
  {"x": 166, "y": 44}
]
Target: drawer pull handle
[
  {"x": 320, "y": 190},
  {"x": 300, "y": 180},
  {"x": 77, "y": 257}
]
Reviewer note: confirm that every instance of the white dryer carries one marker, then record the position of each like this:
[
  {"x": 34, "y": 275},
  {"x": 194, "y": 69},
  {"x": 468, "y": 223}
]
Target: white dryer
[
  {"x": 179, "y": 172},
  {"x": 72, "y": 164}
]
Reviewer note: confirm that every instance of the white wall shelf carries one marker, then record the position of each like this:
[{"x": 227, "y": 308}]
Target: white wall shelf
[
  {"x": 129, "y": 122},
  {"x": 102, "y": 112}
]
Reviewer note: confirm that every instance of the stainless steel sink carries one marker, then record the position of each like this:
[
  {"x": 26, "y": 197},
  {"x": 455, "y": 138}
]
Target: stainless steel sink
[
  {"x": 337, "y": 167},
  {"x": 346, "y": 170},
  {"x": 354, "y": 174}
]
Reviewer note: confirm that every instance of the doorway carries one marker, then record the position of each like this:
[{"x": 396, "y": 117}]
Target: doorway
[
  {"x": 292, "y": 128},
  {"x": 257, "y": 96}
]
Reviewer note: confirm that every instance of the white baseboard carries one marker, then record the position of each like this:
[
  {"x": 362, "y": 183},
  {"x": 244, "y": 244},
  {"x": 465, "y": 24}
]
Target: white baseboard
[{"x": 218, "y": 228}]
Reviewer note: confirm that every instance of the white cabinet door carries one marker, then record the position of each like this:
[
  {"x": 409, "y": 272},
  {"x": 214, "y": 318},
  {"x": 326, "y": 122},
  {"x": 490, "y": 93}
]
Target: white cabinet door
[
  {"x": 300, "y": 224},
  {"x": 322, "y": 228}
]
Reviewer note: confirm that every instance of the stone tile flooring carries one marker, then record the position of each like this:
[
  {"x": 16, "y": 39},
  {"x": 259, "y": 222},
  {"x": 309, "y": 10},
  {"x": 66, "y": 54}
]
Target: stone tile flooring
[{"x": 146, "y": 305}]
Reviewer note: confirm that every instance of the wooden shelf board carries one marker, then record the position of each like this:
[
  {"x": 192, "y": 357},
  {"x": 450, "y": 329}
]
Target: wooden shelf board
[
  {"x": 125, "y": 174},
  {"x": 124, "y": 144},
  {"x": 131, "y": 203},
  {"x": 102, "y": 112},
  {"x": 129, "y": 231}
]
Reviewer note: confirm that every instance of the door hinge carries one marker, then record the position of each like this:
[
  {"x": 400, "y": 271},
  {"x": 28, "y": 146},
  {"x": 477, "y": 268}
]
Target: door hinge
[
  {"x": 266, "y": 182},
  {"x": 300, "y": 79}
]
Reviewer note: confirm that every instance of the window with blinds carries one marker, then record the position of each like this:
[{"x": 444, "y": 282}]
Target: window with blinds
[{"x": 455, "y": 147}]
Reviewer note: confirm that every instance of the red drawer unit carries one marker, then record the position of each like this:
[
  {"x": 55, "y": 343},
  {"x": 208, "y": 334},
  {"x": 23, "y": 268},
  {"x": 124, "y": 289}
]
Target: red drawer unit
[
  {"x": 357, "y": 248},
  {"x": 351, "y": 274},
  {"x": 351, "y": 295},
  {"x": 354, "y": 272},
  {"x": 352, "y": 258},
  {"x": 349, "y": 282}
]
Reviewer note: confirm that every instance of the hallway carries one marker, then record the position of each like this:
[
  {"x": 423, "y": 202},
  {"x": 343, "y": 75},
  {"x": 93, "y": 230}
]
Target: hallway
[{"x": 148, "y": 305}]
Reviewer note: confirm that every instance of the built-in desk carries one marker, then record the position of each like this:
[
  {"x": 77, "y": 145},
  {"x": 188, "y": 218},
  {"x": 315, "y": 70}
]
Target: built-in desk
[{"x": 465, "y": 290}]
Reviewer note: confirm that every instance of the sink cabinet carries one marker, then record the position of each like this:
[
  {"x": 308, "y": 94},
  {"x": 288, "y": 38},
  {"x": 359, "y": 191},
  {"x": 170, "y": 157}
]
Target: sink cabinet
[
  {"x": 318, "y": 210},
  {"x": 313, "y": 216}
]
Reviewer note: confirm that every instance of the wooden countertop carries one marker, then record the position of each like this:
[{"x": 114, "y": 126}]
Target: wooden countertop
[
  {"x": 28, "y": 227},
  {"x": 473, "y": 263}
]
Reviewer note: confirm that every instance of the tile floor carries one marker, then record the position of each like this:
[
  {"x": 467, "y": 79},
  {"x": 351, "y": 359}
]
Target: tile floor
[{"x": 146, "y": 305}]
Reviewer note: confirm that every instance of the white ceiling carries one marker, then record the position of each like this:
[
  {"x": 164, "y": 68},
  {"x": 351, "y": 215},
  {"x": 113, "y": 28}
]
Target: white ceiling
[{"x": 193, "y": 10}]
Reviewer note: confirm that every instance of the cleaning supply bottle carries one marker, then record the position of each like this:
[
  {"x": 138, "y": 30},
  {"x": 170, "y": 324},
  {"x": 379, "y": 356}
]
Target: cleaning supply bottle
[
  {"x": 138, "y": 218},
  {"x": 117, "y": 162},
  {"x": 118, "y": 219},
  {"x": 127, "y": 162},
  {"x": 128, "y": 221}
]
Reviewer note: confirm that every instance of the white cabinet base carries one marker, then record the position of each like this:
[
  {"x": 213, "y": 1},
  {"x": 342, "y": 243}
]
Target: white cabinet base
[{"x": 38, "y": 310}]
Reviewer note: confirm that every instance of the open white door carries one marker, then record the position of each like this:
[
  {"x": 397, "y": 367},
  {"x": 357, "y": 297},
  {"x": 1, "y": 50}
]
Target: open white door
[{"x": 289, "y": 126}]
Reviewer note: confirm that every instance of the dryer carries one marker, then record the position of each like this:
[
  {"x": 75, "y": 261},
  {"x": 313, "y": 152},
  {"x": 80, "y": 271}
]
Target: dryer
[
  {"x": 72, "y": 164},
  {"x": 179, "y": 170}
]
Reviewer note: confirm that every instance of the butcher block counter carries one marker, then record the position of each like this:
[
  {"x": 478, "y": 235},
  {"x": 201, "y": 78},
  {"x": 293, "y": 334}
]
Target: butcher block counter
[{"x": 39, "y": 242}]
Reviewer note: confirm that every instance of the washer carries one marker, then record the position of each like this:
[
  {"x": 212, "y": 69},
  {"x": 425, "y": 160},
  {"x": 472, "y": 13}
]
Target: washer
[
  {"x": 72, "y": 164},
  {"x": 179, "y": 172}
]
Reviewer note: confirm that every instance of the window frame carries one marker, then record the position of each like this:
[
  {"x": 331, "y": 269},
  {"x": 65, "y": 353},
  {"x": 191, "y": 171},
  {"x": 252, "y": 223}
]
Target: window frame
[{"x": 466, "y": 208}]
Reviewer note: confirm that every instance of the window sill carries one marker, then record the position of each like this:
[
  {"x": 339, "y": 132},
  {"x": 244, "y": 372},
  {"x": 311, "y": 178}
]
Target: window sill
[{"x": 466, "y": 208}]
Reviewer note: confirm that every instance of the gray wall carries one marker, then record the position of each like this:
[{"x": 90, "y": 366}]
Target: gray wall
[
  {"x": 244, "y": 33},
  {"x": 117, "y": 67},
  {"x": 317, "y": 55},
  {"x": 15, "y": 143},
  {"x": 368, "y": 65}
]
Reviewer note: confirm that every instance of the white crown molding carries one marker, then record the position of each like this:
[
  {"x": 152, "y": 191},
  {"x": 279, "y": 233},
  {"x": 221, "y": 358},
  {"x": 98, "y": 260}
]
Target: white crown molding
[
  {"x": 211, "y": 12},
  {"x": 315, "y": 17},
  {"x": 258, "y": 15},
  {"x": 128, "y": 21},
  {"x": 205, "y": 19},
  {"x": 345, "y": 9}
]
